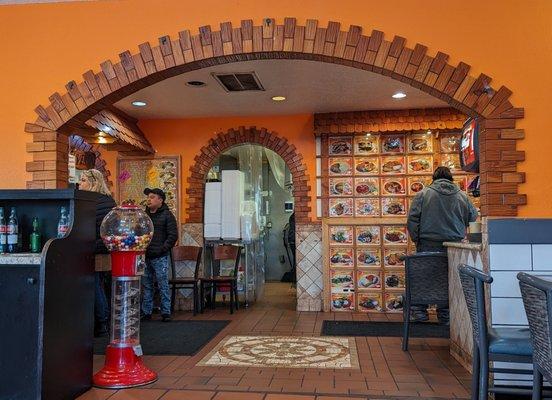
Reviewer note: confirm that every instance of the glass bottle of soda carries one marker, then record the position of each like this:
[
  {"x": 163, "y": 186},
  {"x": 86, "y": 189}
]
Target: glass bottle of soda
[
  {"x": 63, "y": 224},
  {"x": 12, "y": 232},
  {"x": 3, "y": 232},
  {"x": 35, "y": 237}
]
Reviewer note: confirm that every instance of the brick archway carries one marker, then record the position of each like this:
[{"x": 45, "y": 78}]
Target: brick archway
[
  {"x": 234, "y": 137},
  {"x": 473, "y": 95}
]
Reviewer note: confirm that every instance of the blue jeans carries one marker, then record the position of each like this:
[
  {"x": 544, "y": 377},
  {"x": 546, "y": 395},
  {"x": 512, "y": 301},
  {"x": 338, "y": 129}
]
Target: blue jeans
[
  {"x": 160, "y": 268},
  {"x": 101, "y": 306}
]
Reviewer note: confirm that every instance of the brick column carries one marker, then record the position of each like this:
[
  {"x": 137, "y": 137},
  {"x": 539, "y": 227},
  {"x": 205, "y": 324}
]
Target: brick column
[{"x": 49, "y": 167}]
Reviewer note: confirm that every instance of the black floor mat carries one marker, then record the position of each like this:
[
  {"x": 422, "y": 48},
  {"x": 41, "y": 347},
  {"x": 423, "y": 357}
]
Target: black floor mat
[
  {"x": 392, "y": 329},
  {"x": 179, "y": 338}
]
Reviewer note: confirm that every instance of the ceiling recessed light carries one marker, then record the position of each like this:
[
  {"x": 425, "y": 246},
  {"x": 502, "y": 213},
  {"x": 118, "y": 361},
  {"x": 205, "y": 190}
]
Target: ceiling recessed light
[
  {"x": 278, "y": 98},
  {"x": 102, "y": 140},
  {"x": 428, "y": 132},
  {"x": 139, "y": 103},
  {"x": 195, "y": 83},
  {"x": 399, "y": 95},
  {"x": 106, "y": 129},
  {"x": 368, "y": 134}
]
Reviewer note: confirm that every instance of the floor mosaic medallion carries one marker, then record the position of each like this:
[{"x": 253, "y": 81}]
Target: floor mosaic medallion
[{"x": 284, "y": 351}]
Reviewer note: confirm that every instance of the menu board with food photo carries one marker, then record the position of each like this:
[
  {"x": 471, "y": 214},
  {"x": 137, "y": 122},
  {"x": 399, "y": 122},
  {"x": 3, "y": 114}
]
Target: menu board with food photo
[
  {"x": 341, "y": 186},
  {"x": 367, "y": 207},
  {"x": 393, "y": 206},
  {"x": 367, "y": 187},
  {"x": 393, "y": 186},
  {"x": 341, "y": 235},
  {"x": 451, "y": 161},
  {"x": 394, "y": 280},
  {"x": 462, "y": 182},
  {"x": 420, "y": 143},
  {"x": 341, "y": 257},
  {"x": 450, "y": 143},
  {"x": 343, "y": 301},
  {"x": 341, "y": 207},
  {"x": 420, "y": 164},
  {"x": 392, "y": 144},
  {"x": 366, "y": 165},
  {"x": 340, "y": 166},
  {"x": 365, "y": 145},
  {"x": 394, "y": 302},
  {"x": 340, "y": 146},
  {"x": 417, "y": 183},
  {"x": 367, "y": 235},
  {"x": 370, "y": 302},
  {"x": 368, "y": 257},
  {"x": 367, "y": 279},
  {"x": 393, "y": 165},
  {"x": 342, "y": 279},
  {"x": 394, "y": 235},
  {"x": 394, "y": 257}
]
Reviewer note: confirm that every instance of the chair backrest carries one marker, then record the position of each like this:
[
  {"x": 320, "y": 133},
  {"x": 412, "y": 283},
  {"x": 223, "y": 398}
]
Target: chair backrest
[
  {"x": 225, "y": 252},
  {"x": 186, "y": 253},
  {"x": 426, "y": 278},
  {"x": 537, "y": 299},
  {"x": 473, "y": 281}
]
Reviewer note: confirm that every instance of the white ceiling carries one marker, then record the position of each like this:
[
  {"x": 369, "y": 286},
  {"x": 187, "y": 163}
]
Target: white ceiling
[{"x": 310, "y": 87}]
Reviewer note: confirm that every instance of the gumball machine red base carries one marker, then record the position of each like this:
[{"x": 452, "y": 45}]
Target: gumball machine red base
[{"x": 126, "y": 232}]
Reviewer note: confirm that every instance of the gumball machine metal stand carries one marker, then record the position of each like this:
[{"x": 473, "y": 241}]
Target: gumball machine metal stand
[{"x": 126, "y": 232}]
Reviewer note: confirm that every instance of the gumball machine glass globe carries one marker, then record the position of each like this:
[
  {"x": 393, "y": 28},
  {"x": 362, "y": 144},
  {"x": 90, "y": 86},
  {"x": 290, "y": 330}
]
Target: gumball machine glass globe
[{"x": 126, "y": 228}]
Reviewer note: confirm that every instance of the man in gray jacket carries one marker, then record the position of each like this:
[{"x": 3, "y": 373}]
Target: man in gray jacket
[{"x": 439, "y": 213}]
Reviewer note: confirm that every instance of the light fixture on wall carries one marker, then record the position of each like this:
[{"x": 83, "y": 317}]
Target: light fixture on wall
[
  {"x": 278, "y": 98},
  {"x": 399, "y": 95},
  {"x": 196, "y": 83},
  {"x": 139, "y": 103}
]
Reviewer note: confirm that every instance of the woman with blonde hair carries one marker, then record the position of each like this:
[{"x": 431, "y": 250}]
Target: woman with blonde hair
[{"x": 93, "y": 181}]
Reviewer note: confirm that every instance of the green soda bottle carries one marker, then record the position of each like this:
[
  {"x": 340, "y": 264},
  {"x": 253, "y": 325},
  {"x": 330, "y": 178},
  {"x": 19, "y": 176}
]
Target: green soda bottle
[{"x": 35, "y": 237}]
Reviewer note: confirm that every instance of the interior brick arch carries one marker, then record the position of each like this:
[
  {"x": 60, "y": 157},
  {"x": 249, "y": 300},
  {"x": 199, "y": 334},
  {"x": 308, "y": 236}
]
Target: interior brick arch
[
  {"x": 372, "y": 51},
  {"x": 242, "y": 135}
]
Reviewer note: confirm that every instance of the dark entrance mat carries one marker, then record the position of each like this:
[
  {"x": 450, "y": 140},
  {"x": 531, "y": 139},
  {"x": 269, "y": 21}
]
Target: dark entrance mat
[
  {"x": 178, "y": 338},
  {"x": 394, "y": 329}
]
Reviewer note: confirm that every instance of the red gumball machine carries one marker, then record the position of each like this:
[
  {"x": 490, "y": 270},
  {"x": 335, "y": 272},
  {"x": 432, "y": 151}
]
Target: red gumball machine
[{"x": 126, "y": 231}]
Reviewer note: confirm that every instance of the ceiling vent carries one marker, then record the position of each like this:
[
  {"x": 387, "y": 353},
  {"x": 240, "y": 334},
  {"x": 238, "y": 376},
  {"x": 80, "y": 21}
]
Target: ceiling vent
[{"x": 239, "y": 82}]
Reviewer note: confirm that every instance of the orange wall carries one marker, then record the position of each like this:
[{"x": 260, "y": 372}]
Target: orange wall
[
  {"x": 46, "y": 45},
  {"x": 185, "y": 137}
]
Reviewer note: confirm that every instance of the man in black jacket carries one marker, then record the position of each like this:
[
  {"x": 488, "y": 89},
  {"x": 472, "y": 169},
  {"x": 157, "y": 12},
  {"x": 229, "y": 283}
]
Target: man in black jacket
[{"x": 165, "y": 235}]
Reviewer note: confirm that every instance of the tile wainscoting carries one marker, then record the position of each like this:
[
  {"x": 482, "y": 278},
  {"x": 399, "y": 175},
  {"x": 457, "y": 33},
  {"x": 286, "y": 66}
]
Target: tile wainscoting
[{"x": 309, "y": 266}]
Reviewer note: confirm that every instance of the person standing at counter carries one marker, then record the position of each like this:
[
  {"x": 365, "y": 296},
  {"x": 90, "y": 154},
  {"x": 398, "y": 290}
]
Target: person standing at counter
[
  {"x": 165, "y": 235},
  {"x": 439, "y": 213},
  {"x": 93, "y": 181}
]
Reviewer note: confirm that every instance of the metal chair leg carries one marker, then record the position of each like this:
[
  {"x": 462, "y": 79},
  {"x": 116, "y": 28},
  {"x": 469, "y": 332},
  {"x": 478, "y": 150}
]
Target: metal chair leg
[
  {"x": 406, "y": 325},
  {"x": 475, "y": 373},
  {"x": 201, "y": 297},
  {"x": 194, "y": 299},
  {"x": 231, "y": 300},
  {"x": 236, "y": 296},
  {"x": 483, "y": 375},
  {"x": 537, "y": 383},
  {"x": 173, "y": 298}
]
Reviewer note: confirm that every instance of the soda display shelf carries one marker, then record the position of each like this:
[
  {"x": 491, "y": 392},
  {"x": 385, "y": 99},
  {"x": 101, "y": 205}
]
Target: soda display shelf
[{"x": 47, "y": 298}]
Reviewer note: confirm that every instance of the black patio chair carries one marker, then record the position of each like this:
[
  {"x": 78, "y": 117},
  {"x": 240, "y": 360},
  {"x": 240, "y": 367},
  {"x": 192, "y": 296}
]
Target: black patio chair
[
  {"x": 537, "y": 299},
  {"x": 491, "y": 344},
  {"x": 426, "y": 281}
]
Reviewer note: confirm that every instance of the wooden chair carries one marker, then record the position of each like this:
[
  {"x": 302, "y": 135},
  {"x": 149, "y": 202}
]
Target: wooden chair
[
  {"x": 221, "y": 253},
  {"x": 186, "y": 253}
]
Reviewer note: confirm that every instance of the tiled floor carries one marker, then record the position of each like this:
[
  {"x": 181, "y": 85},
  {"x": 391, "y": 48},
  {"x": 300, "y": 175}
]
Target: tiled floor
[{"x": 385, "y": 371}]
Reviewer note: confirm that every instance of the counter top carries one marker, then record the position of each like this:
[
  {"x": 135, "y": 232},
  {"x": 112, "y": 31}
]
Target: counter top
[
  {"x": 464, "y": 245},
  {"x": 20, "y": 259}
]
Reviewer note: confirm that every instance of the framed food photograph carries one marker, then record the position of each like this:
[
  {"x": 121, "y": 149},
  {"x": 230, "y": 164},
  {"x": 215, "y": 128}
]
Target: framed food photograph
[
  {"x": 340, "y": 166},
  {"x": 367, "y": 235},
  {"x": 417, "y": 183},
  {"x": 340, "y": 146},
  {"x": 341, "y": 207},
  {"x": 420, "y": 164},
  {"x": 419, "y": 143},
  {"x": 343, "y": 301},
  {"x": 341, "y": 279},
  {"x": 449, "y": 142},
  {"x": 394, "y": 280},
  {"x": 370, "y": 301},
  {"x": 393, "y": 165},
  {"x": 366, "y": 187},
  {"x": 392, "y": 144},
  {"x": 368, "y": 257},
  {"x": 366, "y": 145},
  {"x": 394, "y": 256},
  {"x": 366, "y": 165},
  {"x": 452, "y": 162},
  {"x": 394, "y": 302},
  {"x": 368, "y": 279},
  {"x": 393, "y": 206},
  {"x": 341, "y": 235},
  {"x": 395, "y": 186},
  {"x": 461, "y": 181},
  {"x": 394, "y": 234},
  {"x": 367, "y": 207},
  {"x": 341, "y": 186},
  {"x": 341, "y": 257}
]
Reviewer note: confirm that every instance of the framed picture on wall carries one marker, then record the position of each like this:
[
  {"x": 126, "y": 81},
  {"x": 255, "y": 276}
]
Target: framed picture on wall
[{"x": 134, "y": 174}]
